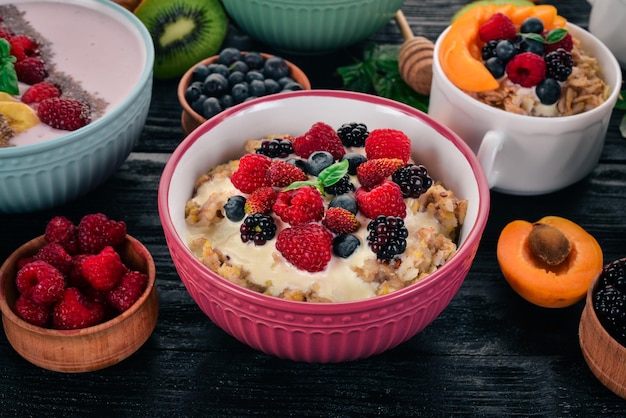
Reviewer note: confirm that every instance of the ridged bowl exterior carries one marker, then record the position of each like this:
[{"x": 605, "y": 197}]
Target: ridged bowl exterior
[
  {"x": 47, "y": 174},
  {"x": 316, "y": 26},
  {"x": 319, "y": 332}
]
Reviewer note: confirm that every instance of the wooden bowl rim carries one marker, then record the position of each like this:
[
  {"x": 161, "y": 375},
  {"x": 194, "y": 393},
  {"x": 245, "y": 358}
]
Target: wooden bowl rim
[{"x": 30, "y": 248}]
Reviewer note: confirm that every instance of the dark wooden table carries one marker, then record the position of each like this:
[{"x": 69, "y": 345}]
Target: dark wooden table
[{"x": 489, "y": 353}]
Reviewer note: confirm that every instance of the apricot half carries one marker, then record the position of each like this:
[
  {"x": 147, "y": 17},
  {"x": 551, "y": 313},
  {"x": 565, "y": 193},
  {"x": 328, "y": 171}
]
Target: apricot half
[
  {"x": 460, "y": 50},
  {"x": 541, "y": 268}
]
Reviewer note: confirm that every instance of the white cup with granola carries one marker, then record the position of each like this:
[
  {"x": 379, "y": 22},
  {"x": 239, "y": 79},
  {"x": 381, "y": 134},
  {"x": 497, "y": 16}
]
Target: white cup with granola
[{"x": 529, "y": 92}]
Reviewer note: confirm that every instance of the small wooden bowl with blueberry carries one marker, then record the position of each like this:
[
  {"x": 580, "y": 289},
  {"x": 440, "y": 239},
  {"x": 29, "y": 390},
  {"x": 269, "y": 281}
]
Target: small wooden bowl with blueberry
[
  {"x": 56, "y": 312},
  {"x": 602, "y": 330},
  {"x": 232, "y": 77}
]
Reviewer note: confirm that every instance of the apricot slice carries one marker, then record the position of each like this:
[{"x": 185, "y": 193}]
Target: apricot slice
[
  {"x": 556, "y": 268},
  {"x": 459, "y": 53}
]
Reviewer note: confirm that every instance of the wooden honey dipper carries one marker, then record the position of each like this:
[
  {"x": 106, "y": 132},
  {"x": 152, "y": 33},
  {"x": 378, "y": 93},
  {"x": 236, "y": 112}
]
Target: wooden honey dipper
[{"x": 415, "y": 59}]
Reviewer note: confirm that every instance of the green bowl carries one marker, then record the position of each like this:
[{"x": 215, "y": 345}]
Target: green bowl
[{"x": 311, "y": 26}]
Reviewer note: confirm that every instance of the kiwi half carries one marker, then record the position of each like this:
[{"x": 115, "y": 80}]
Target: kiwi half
[
  {"x": 183, "y": 31},
  {"x": 486, "y": 2}
]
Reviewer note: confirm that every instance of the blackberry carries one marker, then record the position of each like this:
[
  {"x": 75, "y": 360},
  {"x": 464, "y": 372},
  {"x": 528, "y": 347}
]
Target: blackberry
[
  {"x": 387, "y": 236},
  {"x": 353, "y": 134},
  {"x": 343, "y": 186},
  {"x": 559, "y": 64},
  {"x": 258, "y": 228},
  {"x": 275, "y": 148},
  {"x": 609, "y": 299},
  {"x": 413, "y": 180},
  {"x": 489, "y": 49}
]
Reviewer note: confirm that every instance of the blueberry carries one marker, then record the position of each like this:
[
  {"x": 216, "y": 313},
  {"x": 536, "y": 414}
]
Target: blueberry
[
  {"x": 239, "y": 66},
  {"x": 226, "y": 101},
  {"x": 193, "y": 92},
  {"x": 236, "y": 77},
  {"x": 254, "y": 60},
  {"x": 548, "y": 90},
  {"x": 530, "y": 45},
  {"x": 199, "y": 73},
  {"x": 283, "y": 81},
  {"x": 218, "y": 69},
  {"x": 234, "y": 208},
  {"x": 532, "y": 25},
  {"x": 298, "y": 162},
  {"x": 505, "y": 50},
  {"x": 275, "y": 67},
  {"x": 257, "y": 88},
  {"x": 345, "y": 244},
  {"x": 211, "y": 107},
  {"x": 197, "y": 104},
  {"x": 254, "y": 75},
  {"x": 229, "y": 55},
  {"x": 271, "y": 86},
  {"x": 495, "y": 67},
  {"x": 344, "y": 201},
  {"x": 293, "y": 86},
  {"x": 318, "y": 161},
  {"x": 354, "y": 160},
  {"x": 240, "y": 92},
  {"x": 215, "y": 85}
]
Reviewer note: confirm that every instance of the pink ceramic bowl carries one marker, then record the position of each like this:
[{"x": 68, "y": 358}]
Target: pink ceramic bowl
[{"x": 321, "y": 332}]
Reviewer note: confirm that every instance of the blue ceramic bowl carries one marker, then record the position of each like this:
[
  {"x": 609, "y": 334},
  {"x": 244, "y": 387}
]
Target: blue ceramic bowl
[
  {"x": 311, "y": 26},
  {"x": 41, "y": 175}
]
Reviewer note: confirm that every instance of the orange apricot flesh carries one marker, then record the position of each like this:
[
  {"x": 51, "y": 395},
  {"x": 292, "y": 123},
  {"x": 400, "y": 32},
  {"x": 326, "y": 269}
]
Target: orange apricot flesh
[
  {"x": 460, "y": 49},
  {"x": 549, "y": 286}
]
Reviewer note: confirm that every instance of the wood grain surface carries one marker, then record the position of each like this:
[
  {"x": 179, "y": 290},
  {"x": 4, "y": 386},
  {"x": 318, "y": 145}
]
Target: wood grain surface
[{"x": 489, "y": 353}]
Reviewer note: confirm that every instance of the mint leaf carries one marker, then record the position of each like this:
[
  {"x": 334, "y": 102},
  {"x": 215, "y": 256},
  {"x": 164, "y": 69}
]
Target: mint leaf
[
  {"x": 334, "y": 173},
  {"x": 8, "y": 76},
  {"x": 534, "y": 36},
  {"x": 555, "y": 35},
  {"x": 298, "y": 184}
]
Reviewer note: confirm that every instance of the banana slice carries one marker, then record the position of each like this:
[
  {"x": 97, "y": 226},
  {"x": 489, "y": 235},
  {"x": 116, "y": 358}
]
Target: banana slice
[
  {"x": 19, "y": 115},
  {"x": 6, "y": 97}
]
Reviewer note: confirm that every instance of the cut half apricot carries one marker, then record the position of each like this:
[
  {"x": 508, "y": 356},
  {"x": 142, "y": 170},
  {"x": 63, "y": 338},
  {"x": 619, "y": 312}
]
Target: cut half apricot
[{"x": 542, "y": 283}]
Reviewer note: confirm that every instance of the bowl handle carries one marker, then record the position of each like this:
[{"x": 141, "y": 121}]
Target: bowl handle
[{"x": 489, "y": 148}]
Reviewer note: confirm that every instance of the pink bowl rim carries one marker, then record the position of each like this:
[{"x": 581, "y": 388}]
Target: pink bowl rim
[{"x": 464, "y": 251}]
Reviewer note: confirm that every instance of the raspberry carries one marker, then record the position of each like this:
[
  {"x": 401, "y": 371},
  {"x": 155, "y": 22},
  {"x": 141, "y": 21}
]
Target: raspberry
[
  {"x": 319, "y": 137},
  {"x": 260, "y": 201},
  {"x": 388, "y": 143},
  {"x": 413, "y": 180},
  {"x": 372, "y": 172},
  {"x": 131, "y": 287},
  {"x": 62, "y": 231},
  {"x": 66, "y": 114},
  {"x": 499, "y": 26},
  {"x": 282, "y": 174},
  {"x": 567, "y": 43},
  {"x": 31, "y": 70},
  {"x": 387, "y": 236},
  {"x": 23, "y": 46},
  {"x": 526, "y": 69},
  {"x": 306, "y": 246},
  {"x": 39, "y": 92},
  {"x": 96, "y": 231},
  {"x": 340, "y": 220},
  {"x": 559, "y": 64},
  {"x": 258, "y": 228},
  {"x": 40, "y": 282},
  {"x": 76, "y": 311},
  {"x": 353, "y": 134},
  {"x": 299, "y": 205},
  {"x": 5, "y": 34},
  {"x": 103, "y": 271},
  {"x": 55, "y": 255},
  {"x": 384, "y": 199},
  {"x": 32, "y": 312},
  {"x": 75, "y": 277},
  {"x": 251, "y": 173},
  {"x": 275, "y": 147}
]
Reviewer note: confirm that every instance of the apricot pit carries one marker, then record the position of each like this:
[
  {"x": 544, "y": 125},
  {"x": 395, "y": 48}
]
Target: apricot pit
[{"x": 551, "y": 262}]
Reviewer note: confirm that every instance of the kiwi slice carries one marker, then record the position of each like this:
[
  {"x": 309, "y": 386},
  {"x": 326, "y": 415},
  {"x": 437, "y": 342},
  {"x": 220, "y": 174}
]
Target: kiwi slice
[
  {"x": 183, "y": 31},
  {"x": 486, "y": 2}
]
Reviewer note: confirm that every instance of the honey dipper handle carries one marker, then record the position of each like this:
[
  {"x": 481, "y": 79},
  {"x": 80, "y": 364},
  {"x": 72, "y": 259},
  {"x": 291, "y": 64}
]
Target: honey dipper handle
[{"x": 407, "y": 33}]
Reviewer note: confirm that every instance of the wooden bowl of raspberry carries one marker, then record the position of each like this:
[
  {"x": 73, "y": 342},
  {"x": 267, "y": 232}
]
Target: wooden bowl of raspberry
[
  {"x": 602, "y": 330},
  {"x": 232, "y": 77},
  {"x": 67, "y": 291}
]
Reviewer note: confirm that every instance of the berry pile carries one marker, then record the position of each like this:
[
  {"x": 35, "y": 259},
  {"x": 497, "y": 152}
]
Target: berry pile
[
  {"x": 235, "y": 78},
  {"x": 321, "y": 186},
  {"x": 533, "y": 57},
  {"x": 609, "y": 299},
  {"x": 77, "y": 279},
  {"x": 26, "y": 62}
]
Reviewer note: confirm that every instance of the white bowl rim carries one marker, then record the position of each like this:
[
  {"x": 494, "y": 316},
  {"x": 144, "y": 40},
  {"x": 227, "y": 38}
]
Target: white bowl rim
[
  {"x": 146, "y": 74},
  {"x": 464, "y": 250}
]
